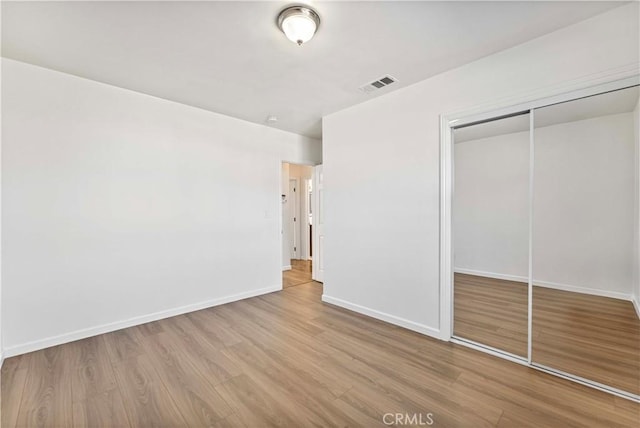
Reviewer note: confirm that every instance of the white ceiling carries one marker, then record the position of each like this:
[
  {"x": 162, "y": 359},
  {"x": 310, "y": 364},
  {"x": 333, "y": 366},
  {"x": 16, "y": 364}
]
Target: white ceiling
[
  {"x": 615, "y": 102},
  {"x": 230, "y": 58}
]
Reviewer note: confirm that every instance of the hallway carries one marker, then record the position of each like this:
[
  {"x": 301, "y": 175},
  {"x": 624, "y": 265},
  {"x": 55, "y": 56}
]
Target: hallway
[{"x": 300, "y": 273}]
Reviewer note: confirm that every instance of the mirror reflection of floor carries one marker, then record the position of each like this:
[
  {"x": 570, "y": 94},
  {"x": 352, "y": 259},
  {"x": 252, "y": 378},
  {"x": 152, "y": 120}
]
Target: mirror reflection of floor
[
  {"x": 492, "y": 312},
  {"x": 300, "y": 273},
  {"x": 594, "y": 337}
]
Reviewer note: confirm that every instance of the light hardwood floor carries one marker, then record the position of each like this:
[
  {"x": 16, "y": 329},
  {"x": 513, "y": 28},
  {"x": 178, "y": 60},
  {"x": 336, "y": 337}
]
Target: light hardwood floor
[
  {"x": 593, "y": 337},
  {"x": 492, "y": 312},
  {"x": 287, "y": 359},
  {"x": 300, "y": 273}
]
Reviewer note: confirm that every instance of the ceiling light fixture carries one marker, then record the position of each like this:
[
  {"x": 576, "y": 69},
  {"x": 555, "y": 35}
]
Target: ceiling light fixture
[{"x": 298, "y": 23}]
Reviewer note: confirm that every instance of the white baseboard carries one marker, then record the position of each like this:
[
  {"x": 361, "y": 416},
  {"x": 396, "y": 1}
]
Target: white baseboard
[
  {"x": 391, "y": 319},
  {"x": 1, "y": 359},
  {"x": 583, "y": 290},
  {"x": 288, "y": 267},
  {"x": 547, "y": 284},
  {"x": 506, "y": 277},
  {"x": 636, "y": 305},
  {"x": 118, "y": 325}
]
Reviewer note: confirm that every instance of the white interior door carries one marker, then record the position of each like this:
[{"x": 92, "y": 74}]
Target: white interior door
[
  {"x": 318, "y": 224},
  {"x": 293, "y": 221}
]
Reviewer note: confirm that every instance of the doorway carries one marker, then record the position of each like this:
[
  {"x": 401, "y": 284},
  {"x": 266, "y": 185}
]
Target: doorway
[{"x": 296, "y": 224}]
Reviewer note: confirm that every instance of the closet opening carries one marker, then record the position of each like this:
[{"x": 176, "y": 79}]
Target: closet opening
[{"x": 540, "y": 234}]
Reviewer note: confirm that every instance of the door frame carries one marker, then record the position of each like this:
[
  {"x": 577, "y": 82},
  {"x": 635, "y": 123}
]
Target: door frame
[
  {"x": 280, "y": 203},
  {"x": 318, "y": 228},
  {"x": 617, "y": 79}
]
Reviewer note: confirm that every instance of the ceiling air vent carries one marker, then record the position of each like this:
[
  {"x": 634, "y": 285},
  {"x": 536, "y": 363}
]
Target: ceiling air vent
[{"x": 377, "y": 84}]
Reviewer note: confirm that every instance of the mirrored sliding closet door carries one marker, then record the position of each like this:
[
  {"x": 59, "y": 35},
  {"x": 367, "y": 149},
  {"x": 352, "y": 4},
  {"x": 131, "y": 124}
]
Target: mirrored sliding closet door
[
  {"x": 491, "y": 234},
  {"x": 585, "y": 239}
]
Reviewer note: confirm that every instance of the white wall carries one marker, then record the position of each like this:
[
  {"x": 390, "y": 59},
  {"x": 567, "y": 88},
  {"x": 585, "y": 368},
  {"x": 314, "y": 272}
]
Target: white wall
[
  {"x": 491, "y": 205},
  {"x": 583, "y": 230},
  {"x": 382, "y": 224},
  {"x": 300, "y": 171},
  {"x": 120, "y": 207},
  {"x": 1, "y": 339},
  {"x": 285, "y": 215},
  {"x": 583, "y": 205}
]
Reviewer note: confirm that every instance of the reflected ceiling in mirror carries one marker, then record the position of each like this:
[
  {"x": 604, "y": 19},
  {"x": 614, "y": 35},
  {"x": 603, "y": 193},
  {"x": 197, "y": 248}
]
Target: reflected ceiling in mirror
[{"x": 615, "y": 102}]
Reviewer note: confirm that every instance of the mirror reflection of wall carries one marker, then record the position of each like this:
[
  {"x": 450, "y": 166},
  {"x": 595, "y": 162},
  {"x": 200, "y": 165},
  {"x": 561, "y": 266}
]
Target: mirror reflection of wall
[
  {"x": 491, "y": 233},
  {"x": 585, "y": 239}
]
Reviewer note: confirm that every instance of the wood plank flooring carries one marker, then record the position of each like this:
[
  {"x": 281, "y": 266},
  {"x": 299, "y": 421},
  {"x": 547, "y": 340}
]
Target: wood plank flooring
[
  {"x": 300, "y": 273},
  {"x": 287, "y": 359},
  {"x": 492, "y": 312},
  {"x": 594, "y": 337}
]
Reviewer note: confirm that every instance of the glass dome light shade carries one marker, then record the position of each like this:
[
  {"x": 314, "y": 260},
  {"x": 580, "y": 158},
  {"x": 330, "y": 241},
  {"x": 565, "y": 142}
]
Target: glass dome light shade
[{"x": 298, "y": 23}]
